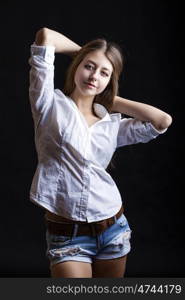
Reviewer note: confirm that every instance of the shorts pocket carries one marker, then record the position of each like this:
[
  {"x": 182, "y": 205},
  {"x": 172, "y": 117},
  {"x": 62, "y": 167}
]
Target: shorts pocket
[{"x": 58, "y": 240}]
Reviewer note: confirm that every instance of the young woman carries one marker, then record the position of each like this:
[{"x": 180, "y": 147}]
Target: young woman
[{"x": 77, "y": 130}]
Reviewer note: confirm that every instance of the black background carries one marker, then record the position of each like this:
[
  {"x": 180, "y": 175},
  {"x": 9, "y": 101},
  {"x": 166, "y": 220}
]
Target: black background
[{"x": 149, "y": 176}]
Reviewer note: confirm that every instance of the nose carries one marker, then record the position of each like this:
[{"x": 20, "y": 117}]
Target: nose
[{"x": 94, "y": 75}]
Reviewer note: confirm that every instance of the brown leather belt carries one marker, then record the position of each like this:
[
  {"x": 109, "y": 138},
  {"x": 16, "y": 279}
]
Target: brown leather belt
[{"x": 83, "y": 228}]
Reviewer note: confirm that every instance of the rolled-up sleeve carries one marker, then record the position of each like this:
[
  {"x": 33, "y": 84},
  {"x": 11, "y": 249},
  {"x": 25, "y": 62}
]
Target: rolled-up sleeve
[
  {"x": 41, "y": 87},
  {"x": 133, "y": 131}
]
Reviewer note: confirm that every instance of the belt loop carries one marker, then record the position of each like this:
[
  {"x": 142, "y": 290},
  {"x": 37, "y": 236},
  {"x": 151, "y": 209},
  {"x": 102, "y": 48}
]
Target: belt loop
[
  {"x": 115, "y": 219},
  {"x": 74, "y": 230}
]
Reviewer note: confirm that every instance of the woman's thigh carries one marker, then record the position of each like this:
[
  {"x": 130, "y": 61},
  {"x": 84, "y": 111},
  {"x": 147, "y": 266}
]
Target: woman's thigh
[
  {"x": 71, "y": 269},
  {"x": 109, "y": 267}
]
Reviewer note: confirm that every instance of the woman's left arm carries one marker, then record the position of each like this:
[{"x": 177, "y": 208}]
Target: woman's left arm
[{"x": 144, "y": 112}]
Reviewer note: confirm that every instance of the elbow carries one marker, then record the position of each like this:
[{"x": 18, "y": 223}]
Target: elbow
[
  {"x": 164, "y": 122},
  {"x": 42, "y": 36}
]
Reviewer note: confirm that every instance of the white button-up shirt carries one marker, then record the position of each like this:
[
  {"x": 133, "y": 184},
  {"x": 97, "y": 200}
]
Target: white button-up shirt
[{"x": 71, "y": 178}]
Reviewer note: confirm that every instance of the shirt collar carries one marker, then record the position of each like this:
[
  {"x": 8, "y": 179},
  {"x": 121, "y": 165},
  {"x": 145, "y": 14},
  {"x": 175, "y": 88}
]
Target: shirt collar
[{"x": 99, "y": 109}]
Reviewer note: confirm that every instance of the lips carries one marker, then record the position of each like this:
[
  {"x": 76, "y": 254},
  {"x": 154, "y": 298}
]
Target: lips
[{"x": 90, "y": 84}]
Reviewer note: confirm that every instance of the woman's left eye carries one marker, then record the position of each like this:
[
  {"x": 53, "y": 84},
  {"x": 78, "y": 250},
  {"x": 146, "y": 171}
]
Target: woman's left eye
[{"x": 105, "y": 74}]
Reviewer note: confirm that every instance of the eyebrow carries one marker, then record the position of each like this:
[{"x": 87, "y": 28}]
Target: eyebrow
[{"x": 96, "y": 65}]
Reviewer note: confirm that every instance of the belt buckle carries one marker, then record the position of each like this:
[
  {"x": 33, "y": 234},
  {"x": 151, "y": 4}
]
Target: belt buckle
[{"x": 99, "y": 227}]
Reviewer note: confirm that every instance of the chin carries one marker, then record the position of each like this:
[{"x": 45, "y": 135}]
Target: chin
[{"x": 88, "y": 93}]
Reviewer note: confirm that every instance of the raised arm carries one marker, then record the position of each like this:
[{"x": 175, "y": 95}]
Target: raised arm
[
  {"x": 62, "y": 44},
  {"x": 144, "y": 112}
]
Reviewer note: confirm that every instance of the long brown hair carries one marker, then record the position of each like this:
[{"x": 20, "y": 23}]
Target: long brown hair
[{"x": 114, "y": 54}]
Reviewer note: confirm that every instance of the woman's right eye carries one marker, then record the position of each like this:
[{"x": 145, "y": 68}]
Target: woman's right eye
[{"x": 89, "y": 67}]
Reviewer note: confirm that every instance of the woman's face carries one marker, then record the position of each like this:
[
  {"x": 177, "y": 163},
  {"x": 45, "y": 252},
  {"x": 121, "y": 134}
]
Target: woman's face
[{"x": 93, "y": 74}]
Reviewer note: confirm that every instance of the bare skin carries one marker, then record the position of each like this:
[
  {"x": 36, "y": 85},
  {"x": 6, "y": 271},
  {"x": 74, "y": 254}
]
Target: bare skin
[
  {"x": 109, "y": 268},
  {"x": 71, "y": 269},
  {"x": 90, "y": 119}
]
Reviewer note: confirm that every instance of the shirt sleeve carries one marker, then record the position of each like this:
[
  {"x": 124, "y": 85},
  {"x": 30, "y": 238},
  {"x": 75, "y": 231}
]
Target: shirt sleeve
[
  {"x": 133, "y": 131},
  {"x": 41, "y": 87}
]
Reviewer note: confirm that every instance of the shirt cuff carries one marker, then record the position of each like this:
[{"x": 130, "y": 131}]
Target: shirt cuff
[
  {"x": 46, "y": 52},
  {"x": 155, "y": 131}
]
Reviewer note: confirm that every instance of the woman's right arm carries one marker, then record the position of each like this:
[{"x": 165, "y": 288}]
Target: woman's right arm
[
  {"x": 41, "y": 88},
  {"x": 62, "y": 44}
]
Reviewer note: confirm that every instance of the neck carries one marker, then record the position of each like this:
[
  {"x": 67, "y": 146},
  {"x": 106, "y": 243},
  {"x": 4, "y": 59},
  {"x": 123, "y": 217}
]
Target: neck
[{"x": 84, "y": 104}]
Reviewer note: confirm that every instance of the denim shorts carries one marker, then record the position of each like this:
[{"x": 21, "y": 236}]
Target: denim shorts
[{"x": 112, "y": 243}]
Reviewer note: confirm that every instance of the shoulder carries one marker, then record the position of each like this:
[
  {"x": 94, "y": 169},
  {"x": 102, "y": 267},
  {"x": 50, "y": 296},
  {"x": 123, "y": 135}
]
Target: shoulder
[{"x": 102, "y": 112}]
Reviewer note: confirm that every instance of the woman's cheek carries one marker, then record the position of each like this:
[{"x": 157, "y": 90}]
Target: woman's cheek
[
  {"x": 100, "y": 89},
  {"x": 104, "y": 85}
]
